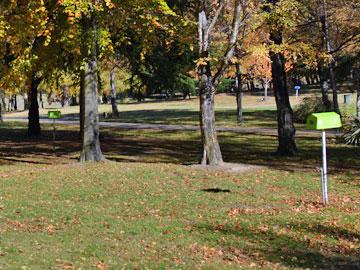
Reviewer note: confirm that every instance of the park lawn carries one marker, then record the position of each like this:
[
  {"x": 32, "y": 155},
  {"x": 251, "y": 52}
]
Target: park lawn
[
  {"x": 148, "y": 211},
  {"x": 257, "y": 113}
]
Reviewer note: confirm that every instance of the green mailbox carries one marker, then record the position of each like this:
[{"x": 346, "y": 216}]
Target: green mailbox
[
  {"x": 54, "y": 114},
  {"x": 322, "y": 121}
]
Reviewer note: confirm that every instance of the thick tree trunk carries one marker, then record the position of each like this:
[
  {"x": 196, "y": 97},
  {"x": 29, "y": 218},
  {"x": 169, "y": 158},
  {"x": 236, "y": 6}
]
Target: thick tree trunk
[
  {"x": 325, "y": 29},
  {"x": 324, "y": 87},
  {"x": 286, "y": 129},
  {"x": 34, "y": 119},
  {"x": 2, "y": 100},
  {"x": 211, "y": 148},
  {"x": 1, "y": 117},
  {"x": 358, "y": 101},
  {"x": 15, "y": 102},
  {"x": 90, "y": 131},
  {"x": 73, "y": 100},
  {"x": 89, "y": 88},
  {"x": 239, "y": 93},
  {"x": 115, "y": 111},
  {"x": 82, "y": 103},
  {"x": 357, "y": 85}
]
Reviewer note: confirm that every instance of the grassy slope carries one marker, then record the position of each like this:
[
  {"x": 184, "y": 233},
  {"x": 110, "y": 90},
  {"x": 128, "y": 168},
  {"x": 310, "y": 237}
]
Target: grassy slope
[{"x": 157, "y": 216}]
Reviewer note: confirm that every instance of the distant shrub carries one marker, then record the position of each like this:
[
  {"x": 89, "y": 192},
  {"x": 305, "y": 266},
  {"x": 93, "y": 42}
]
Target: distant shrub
[
  {"x": 308, "y": 106},
  {"x": 352, "y": 132},
  {"x": 186, "y": 85},
  {"x": 225, "y": 86}
]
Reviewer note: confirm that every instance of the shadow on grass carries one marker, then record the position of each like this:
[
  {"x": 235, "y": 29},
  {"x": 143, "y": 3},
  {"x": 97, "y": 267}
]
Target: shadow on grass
[
  {"x": 288, "y": 250},
  {"x": 216, "y": 190},
  {"x": 265, "y": 118},
  {"x": 178, "y": 148}
]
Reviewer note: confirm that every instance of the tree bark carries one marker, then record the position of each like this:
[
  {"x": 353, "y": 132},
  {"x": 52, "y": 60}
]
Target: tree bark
[
  {"x": 252, "y": 84},
  {"x": 357, "y": 84},
  {"x": 34, "y": 119},
  {"x": 266, "y": 88},
  {"x": 239, "y": 93},
  {"x": 208, "y": 83},
  {"x": 115, "y": 111},
  {"x": 41, "y": 99},
  {"x": 248, "y": 86},
  {"x": 211, "y": 147},
  {"x": 91, "y": 150},
  {"x": 82, "y": 103},
  {"x": 26, "y": 101},
  {"x": 2, "y": 100},
  {"x": 15, "y": 102},
  {"x": 324, "y": 87},
  {"x": 286, "y": 129},
  {"x": 64, "y": 96},
  {"x": 1, "y": 117},
  {"x": 358, "y": 100},
  {"x": 90, "y": 131},
  {"x": 331, "y": 65}
]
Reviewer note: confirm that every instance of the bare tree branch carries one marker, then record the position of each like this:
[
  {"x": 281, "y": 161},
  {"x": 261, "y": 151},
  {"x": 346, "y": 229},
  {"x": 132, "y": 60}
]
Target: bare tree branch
[{"x": 237, "y": 22}]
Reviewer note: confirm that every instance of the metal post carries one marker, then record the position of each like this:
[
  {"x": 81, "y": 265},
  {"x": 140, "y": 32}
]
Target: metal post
[
  {"x": 324, "y": 170},
  {"x": 54, "y": 137}
]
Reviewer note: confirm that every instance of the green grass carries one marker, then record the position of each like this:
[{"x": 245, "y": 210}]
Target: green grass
[{"x": 148, "y": 211}]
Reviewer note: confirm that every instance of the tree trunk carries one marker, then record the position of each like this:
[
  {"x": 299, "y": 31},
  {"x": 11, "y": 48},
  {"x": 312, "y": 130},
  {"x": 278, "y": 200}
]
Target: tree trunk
[
  {"x": 266, "y": 88},
  {"x": 252, "y": 84},
  {"x": 115, "y": 111},
  {"x": 64, "y": 96},
  {"x": 41, "y": 99},
  {"x": 90, "y": 131},
  {"x": 286, "y": 129},
  {"x": 2, "y": 100},
  {"x": 1, "y": 117},
  {"x": 358, "y": 100},
  {"x": 239, "y": 93},
  {"x": 82, "y": 104},
  {"x": 34, "y": 119},
  {"x": 334, "y": 87},
  {"x": 325, "y": 29},
  {"x": 211, "y": 148},
  {"x": 73, "y": 100},
  {"x": 2, "y": 107},
  {"x": 248, "y": 86},
  {"x": 357, "y": 84},
  {"x": 324, "y": 87},
  {"x": 15, "y": 102}
]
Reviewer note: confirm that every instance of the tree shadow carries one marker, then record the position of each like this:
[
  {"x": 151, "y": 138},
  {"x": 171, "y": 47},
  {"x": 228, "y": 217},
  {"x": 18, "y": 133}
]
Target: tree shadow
[
  {"x": 183, "y": 147},
  {"x": 265, "y": 118},
  {"x": 216, "y": 190},
  {"x": 282, "y": 248}
]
